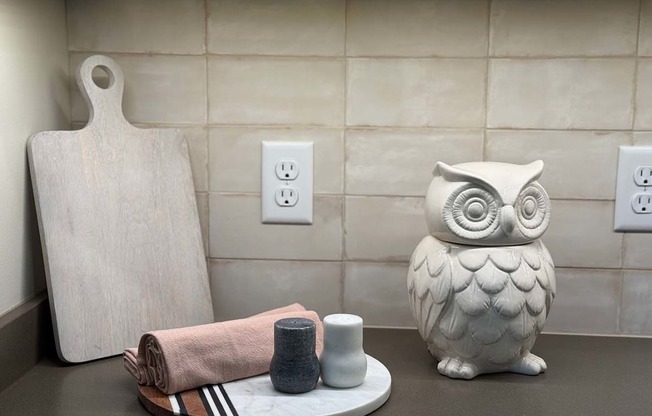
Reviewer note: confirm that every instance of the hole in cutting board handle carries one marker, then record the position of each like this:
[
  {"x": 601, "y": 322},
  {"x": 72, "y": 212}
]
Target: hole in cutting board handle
[{"x": 102, "y": 77}]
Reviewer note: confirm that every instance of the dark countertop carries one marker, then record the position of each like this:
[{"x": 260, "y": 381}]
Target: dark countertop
[{"x": 586, "y": 376}]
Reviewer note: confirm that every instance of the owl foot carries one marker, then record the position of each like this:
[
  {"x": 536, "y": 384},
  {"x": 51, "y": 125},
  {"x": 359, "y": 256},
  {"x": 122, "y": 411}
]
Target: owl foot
[
  {"x": 456, "y": 368},
  {"x": 529, "y": 364}
]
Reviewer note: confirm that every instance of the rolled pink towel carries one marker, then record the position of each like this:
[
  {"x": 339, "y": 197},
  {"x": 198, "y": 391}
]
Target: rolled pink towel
[
  {"x": 136, "y": 363},
  {"x": 136, "y": 366},
  {"x": 184, "y": 358}
]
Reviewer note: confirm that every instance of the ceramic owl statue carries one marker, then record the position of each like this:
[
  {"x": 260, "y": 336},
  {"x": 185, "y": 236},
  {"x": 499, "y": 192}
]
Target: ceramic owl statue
[{"x": 482, "y": 283}]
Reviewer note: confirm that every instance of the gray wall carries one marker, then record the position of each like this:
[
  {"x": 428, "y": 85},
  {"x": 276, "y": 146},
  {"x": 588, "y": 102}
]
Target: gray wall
[{"x": 33, "y": 97}]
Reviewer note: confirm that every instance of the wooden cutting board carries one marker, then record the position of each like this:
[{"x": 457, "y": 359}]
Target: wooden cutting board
[{"x": 119, "y": 227}]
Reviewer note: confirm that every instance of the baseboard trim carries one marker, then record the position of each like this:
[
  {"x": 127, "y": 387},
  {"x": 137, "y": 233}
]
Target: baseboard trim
[{"x": 25, "y": 338}]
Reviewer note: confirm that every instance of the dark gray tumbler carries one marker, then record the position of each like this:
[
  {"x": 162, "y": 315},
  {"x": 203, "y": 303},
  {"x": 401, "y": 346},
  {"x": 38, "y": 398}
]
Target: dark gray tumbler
[{"x": 295, "y": 366}]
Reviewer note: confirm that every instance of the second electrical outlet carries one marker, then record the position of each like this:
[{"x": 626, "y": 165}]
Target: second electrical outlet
[{"x": 286, "y": 192}]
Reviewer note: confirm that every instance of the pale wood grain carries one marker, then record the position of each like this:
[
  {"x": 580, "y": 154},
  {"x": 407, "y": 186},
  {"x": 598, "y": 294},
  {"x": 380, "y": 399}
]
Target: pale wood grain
[{"x": 119, "y": 227}]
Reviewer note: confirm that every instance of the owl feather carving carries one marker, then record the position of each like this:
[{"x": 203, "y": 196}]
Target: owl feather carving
[{"x": 481, "y": 285}]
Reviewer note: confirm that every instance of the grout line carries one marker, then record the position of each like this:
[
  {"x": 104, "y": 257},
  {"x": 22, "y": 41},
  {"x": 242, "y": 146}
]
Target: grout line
[
  {"x": 636, "y": 65},
  {"x": 136, "y": 54},
  {"x": 562, "y": 58},
  {"x": 208, "y": 153},
  {"x": 332, "y": 261},
  {"x": 345, "y": 195},
  {"x": 207, "y": 78},
  {"x": 638, "y": 28},
  {"x": 487, "y": 79},
  {"x": 353, "y": 57},
  {"x": 620, "y": 300},
  {"x": 572, "y": 129},
  {"x": 71, "y": 78},
  {"x": 501, "y": 57},
  {"x": 205, "y": 27},
  {"x": 400, "y": 328},
  {"x": 609, "y": 335},
  {"x": 277, "y": 126},
  {"x": 71, "y": 75},
  {"x": 419, "y": 129},
  {"x": 434, "y": 129},
  {"x": 344, "y": 156},
  {"x": 404, "y": 263},
  {"x": 343, "y": 255},
  {"x": 416, "y": 129},
  {"x": 404, "y": 128},
  {"x": 216, "y": 259}
]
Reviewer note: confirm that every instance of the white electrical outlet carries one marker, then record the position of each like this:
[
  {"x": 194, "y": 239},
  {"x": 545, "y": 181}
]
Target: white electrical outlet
[
  {"x": 634, "y": 189},
  {"x": 286, "y": 192}
]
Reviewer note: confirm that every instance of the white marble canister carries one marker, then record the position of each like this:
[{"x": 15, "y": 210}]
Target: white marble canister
[{"x": 343, "y": 361}]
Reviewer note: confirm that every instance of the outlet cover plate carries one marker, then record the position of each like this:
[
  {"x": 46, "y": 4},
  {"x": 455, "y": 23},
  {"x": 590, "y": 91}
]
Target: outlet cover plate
[
  {"x": 629, "y": 159},
  {"x": 300, "y": 153}
]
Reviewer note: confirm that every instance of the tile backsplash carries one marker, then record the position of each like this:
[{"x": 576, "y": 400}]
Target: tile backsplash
[{"x": 385, "y": 89}]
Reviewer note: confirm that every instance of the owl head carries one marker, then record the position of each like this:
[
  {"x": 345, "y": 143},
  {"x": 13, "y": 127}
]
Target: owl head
[{"x": 487, "y": 203}]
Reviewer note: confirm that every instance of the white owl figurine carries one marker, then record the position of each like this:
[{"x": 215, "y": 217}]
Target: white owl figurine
[{"x": 481, "y": 285}]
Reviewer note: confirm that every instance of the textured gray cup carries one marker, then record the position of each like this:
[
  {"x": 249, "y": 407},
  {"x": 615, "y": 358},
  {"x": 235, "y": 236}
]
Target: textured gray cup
[{"x": 294, "y": 367}]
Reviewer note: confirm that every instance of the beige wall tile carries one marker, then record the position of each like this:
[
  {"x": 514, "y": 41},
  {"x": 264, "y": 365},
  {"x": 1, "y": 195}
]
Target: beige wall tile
[
  {"x": 158, "y": 26},
  {"x": 417, "y": 28},
  {"x": 400, "y": 162},
  {"x": 277, "y": 27},
  {"x": 202, "y": 210},
  {"x": 236, "y": 231},
  {"x": 561, "y": 93},
  {"x": 386, "y": 229},
  {"x": 642, "y": 138},
  {"x": 563, "y": 153},
  {"x": 636, "y": 314},
  {"x": 235, "y": 157},
  {"x": 643, "y": 118},
  {"x": 581, "y": 235},
  {"x": 637, "y": 253},
  {"x": 378, "y": 293},
  {"x": 563, "y": 28},
  {"x": 645, "y": 31},
  {"x": 158, "y": 89},
  {"x": 416, "y": 92},
  {"x": 587, "y": 302},
  {"x": 276, "y": 91},
  {"x": 197, "y": 139},
  {"x": 244, "y": 288}
]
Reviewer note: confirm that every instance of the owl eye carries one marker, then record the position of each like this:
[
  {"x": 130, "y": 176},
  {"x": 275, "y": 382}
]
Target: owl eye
[
  {"x": 470, "y": 212},
  {"x": 533, "y": 210}
]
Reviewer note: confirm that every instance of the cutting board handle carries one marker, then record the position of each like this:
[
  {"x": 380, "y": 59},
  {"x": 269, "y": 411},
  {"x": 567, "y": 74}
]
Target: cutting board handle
[{"x": 104, "y": 104}]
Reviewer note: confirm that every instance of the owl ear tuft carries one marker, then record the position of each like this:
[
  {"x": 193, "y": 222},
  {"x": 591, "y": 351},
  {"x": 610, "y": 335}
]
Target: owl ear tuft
[
  {"x": 451, "y": 173},
  {"x": 439, "y": 168},
  {"x": 535, "y": 169}
]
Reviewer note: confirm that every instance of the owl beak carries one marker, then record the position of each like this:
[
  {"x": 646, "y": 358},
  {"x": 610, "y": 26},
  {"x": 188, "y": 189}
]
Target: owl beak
[{"x": 507, "y": 219}]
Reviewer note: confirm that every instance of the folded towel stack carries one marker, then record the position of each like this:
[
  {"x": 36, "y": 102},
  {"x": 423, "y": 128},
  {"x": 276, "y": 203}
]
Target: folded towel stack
[{"x": 184, "y": 358}]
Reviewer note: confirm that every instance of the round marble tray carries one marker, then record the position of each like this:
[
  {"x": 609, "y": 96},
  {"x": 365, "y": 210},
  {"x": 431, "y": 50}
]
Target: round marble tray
[{"x": 256, "y": 396}]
